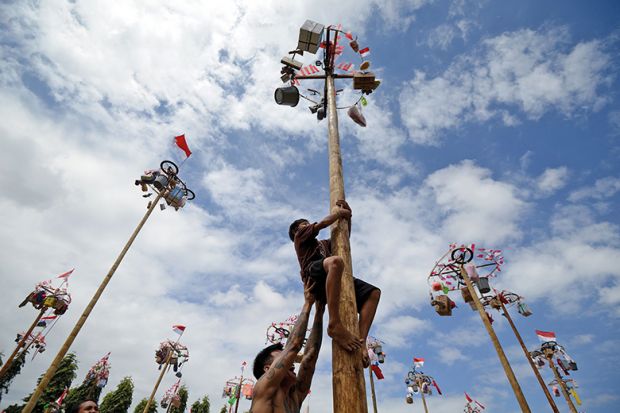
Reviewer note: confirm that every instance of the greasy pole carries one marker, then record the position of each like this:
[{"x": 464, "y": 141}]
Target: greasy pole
[
  {"x": 500, "y": 351},
  {"x": 562, "y": 385},
  {"x": 554, "y": 407},
  {"x": 423, "y": 398},
  {"x": 89, "y": 308},
  {"x": 7, "y": 364},
  {"x": 161, "y": 376},
  {"x": 349, "y": 387},
  {"x": 372, "y": 390},
  {"x": 238, "y": 392}
]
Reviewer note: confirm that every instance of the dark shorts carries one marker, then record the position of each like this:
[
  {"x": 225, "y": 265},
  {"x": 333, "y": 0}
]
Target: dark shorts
[{"x": 317, "y": 273}]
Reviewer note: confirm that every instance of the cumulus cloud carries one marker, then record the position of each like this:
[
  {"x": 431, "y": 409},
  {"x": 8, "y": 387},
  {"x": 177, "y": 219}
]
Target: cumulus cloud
[
  {"x": 532, "y": 72},
  {"x": 603, "y": 188},
  {"x": 552, "y": 179}
]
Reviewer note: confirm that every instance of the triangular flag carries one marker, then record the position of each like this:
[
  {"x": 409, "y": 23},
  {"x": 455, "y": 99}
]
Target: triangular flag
[
  {"x": 469, "y": 399},
  {"x": 182, "y": 143},
  {"x": 363, "y": 101},
  {"x": 66, "y": 275}
]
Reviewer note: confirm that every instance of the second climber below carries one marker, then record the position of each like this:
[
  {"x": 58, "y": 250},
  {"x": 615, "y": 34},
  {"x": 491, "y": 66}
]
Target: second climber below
[{"x": 317, "y": 263}]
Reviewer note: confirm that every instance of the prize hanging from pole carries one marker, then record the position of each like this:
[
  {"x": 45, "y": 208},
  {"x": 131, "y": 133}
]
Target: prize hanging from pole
[
  {"x": 374, "y": 346},
  {"x": 50, "y": 300},
  {"x": 418, "y": 382},
  {"x": 167, "y": 185},
  {"x": 469, "y": 269},
  {"x": 237, "y": 388},
  {"x": 169, "y": 354},
  {"x": 311, "y": 40},
  {"x": 502, "y": 301},
  {"x": 554, "y": 355}
]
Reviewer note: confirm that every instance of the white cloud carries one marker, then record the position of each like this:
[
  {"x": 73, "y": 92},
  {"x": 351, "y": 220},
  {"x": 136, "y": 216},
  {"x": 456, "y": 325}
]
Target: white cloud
[
  {"x": 530, "y": 71},
  {"x": 474, "y": 206},
  {"x": 400, "y": 329},
  {"x": 603, "y": 188},
  {"x": 441, "y": 36},
  {"x": 552, "y": 179}
]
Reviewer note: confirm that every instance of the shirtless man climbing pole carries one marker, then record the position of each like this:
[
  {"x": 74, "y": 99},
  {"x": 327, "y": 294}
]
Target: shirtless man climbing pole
[{"x": 278, "y": 389}]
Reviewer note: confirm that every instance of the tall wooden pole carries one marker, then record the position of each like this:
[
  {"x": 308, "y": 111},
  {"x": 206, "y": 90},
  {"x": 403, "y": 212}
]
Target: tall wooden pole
[
  {"x": 89, "y": 308},
  {"x": 562, "y": 385},
  {"x": 7, "y": 364},
  {"x": 529, "y": 358},
  {"x": 500, "y": 351},
  {"x": 349, "y": 387},
  {"x": 239, "y": 390},
  {"x": 423, "y": 398},
  {"x": 372, "y": 391},
  {"x": 159, "y": 379}
]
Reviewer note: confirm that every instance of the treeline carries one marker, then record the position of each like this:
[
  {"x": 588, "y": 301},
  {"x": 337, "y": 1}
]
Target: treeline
[{"x": 116, "y": 401}]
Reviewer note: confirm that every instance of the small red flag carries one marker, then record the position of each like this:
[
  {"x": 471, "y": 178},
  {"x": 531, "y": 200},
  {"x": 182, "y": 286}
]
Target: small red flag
[
  {"x": 377, "y": 370},
  {"x": 182, "y": 143}
]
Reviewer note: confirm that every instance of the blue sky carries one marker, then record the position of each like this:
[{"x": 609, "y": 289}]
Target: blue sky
[{"x": 496, "y": 123}]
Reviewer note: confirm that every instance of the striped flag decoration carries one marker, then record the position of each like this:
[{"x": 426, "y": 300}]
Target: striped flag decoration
[{"x": 309, "y": 70}]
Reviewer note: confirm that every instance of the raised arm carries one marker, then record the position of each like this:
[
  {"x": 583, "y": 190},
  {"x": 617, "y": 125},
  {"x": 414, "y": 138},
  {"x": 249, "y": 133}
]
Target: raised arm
[
  {"x": 269, "y": 382},
  {"x": 311, "y": 355},
  {"x": 338, "y": 213}
]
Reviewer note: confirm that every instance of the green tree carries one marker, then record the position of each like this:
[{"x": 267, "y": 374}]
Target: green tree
[
  {"x": 62, "y": 379},
  {"x": 14, "y": 370},
  {"x": 224, "y": 409},
  {"x": 140, "y": 407},
  {"x": 183, "y": 395},
  {"x": 85, "y": 391},
  {"x": 202, "y": 406},
  {"x": 119, "y": 400}
]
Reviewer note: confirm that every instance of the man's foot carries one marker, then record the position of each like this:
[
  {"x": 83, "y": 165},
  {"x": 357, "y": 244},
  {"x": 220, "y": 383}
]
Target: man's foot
[
  {"x": 365, "y": 358},
  {"x": 344, "y": 338}
]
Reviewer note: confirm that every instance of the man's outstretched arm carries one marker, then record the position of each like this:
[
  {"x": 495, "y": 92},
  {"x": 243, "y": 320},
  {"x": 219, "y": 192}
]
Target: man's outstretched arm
[
  {"x": 331, "y": 218},
  {"x": 270, "y": 381},
  {"x": 311, "y": 355}
]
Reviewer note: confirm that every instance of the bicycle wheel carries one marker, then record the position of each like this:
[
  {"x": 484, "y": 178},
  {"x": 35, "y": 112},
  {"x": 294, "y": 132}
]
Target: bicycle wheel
[{"x": 169, "y": 167}]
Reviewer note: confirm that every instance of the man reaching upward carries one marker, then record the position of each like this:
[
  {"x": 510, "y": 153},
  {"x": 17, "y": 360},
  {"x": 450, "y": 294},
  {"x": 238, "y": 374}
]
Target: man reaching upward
[
  {"x": 319, "y": 265},
  {"x": 278, "y": 389}
]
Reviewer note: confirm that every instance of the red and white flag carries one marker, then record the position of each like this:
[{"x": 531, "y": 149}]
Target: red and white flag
[
  {"x": 179, "y": 329},
  {"x": 49, "y": 317},
  {"x": 418, "y": 362},
  {"x": 62, "y": 396},
  {"x": 469, "y": 399},
  {"x": 365, "y": 51},
  {"x": 66, "y": 275},
  {"x": 309, "y": 70},
  {"x": 182, "y": 143},
  {"x": 345, "y": 66},
  {"x": 545, "y": 336}
]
